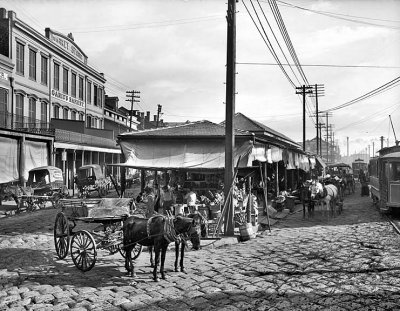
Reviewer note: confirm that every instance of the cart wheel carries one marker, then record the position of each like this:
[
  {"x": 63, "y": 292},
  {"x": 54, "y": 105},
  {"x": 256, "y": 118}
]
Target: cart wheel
[
  {"x": 83, "y": 250},
  {"x": 135, "y": 251},
  {"x": 61, "y": 235}
]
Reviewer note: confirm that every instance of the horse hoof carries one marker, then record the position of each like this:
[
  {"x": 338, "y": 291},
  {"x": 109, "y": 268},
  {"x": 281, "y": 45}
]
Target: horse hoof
[
  {"x": 183, "y": 270},
  {"x": 156, "y": 279},
  {"x": 176, "y": 270}
]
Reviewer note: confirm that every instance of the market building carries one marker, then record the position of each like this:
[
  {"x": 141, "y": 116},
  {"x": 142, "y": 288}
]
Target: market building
[{"x": 47, "y": 87}]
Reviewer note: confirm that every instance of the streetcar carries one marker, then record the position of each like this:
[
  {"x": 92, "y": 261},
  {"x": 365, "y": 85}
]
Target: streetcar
[
  {"x": 384, "y": 181},
  {"x": 359, "y": 165}
]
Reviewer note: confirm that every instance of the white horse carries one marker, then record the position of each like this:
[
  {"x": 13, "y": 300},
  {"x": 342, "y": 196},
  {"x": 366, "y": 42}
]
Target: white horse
[{"x": 326, "y": 195}]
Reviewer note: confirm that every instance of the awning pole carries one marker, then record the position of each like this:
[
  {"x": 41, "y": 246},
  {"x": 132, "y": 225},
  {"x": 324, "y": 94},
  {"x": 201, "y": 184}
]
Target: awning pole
[{"x": 264, "y": 181}]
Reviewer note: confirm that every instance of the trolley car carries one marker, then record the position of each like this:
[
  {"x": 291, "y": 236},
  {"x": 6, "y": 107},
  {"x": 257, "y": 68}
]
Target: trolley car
[
  {"x": 384, "y": 181},
  {"x": 359, "y": 165}
]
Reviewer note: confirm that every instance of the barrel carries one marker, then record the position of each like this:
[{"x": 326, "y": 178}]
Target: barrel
[{"x": 246, "y": 231}]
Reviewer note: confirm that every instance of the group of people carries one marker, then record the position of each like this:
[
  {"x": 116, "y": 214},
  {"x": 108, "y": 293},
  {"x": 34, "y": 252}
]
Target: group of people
[{"x": 162, "y": 200}]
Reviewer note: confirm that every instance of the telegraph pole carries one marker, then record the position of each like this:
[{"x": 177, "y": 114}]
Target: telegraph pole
[
  {"x": 229, "y": 113},
  {"x": 158, "y": 114},
  {"x": 318, "y": 91},
  {"x": 132, "y": 98},
  {"x": 304, "y": 90}
]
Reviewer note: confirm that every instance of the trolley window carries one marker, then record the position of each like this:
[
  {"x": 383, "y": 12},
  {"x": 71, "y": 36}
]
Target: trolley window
[{"x": 394, "y": 171}]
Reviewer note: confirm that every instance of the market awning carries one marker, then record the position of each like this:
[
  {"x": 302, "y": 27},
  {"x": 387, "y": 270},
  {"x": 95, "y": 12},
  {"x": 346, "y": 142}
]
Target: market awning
[
  {"x": 320, "y": 162},
  {"x": 182, "y": 154}
]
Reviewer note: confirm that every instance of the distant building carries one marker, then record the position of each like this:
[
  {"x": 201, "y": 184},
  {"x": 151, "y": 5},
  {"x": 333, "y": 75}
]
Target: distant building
[
  {"x": 330, "y": 153},
  {"x": 48, "y": 88}
]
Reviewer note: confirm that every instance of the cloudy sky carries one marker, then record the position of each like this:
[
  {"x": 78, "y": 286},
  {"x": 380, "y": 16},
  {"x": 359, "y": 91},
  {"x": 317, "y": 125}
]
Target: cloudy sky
[{"x": 174, "y": 53}]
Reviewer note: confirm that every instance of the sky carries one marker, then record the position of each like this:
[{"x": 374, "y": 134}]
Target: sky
[{"x": 174, "y": 53}]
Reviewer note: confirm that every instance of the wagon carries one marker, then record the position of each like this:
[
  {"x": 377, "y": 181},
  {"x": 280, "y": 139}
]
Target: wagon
[
  {"x": 90, "y": 178},
  {"x": 108, "y": 213},
  {"x": 44, "y": 184}
]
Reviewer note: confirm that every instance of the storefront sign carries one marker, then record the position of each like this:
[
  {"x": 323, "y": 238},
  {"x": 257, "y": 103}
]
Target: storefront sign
[
  {"x": 67, "y": 46},
  {"x": 3, "y": 75},
  {"x": 67, "y": 98}
]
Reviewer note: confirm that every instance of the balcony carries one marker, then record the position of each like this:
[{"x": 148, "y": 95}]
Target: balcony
[
  {"x": 60, "y": 129},
  {"x": 25, "y": 124}
]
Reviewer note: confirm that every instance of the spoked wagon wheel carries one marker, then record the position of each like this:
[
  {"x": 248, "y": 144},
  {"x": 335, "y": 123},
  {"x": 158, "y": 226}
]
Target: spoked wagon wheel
[
  {"x": 83, "y": 250},
  {"x": 61, "y": 235},
  {"x": 135, "y": 251}
]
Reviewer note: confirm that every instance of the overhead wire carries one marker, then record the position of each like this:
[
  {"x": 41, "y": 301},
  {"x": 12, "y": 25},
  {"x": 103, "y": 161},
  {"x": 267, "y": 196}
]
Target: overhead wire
[
  {"x": 320, "y": 65},
  {"x": 341, "y": 16},
  {"x": 387, "y": 86},
  {"x": 268, "y": 45},
  {"x": 286, "y": 37}
]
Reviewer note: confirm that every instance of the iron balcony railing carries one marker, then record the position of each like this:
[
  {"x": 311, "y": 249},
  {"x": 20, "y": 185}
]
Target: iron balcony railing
[
  {"x": 25, "y": 124},
  {"x": 28, "y": 125}
]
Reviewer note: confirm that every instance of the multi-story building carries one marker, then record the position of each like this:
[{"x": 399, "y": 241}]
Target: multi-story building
[{"x": 49, "y": 88}]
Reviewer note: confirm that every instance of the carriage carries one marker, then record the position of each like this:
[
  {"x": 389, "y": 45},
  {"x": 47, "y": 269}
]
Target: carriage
[
  {"x": 104, "y": 216},
  {"x": 44, "y": 184},
  {"x": 345, "y": 172},
  {"x": 384, "y": 179},
  {"x": 90, "y": 178}
]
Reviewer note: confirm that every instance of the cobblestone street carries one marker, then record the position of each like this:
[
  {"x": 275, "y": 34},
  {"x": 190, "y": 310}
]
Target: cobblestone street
[{"x": 349, "y": 262}]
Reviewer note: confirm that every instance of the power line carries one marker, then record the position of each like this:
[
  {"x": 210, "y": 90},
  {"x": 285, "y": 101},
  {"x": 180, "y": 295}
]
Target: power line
[
  {"x": 340, "y": 16},
  {"x": 147, "y": 25},
  {"x": 385, "y": 87},
  {"x": 286, "y": 37},
  {"x": 269, "y": 46},
  {"x": 320, "y": 65}
]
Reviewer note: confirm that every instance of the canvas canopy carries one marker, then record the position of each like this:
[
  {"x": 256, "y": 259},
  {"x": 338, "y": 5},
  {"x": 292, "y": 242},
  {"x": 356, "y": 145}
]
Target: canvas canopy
[
  {"x": 8, "y": 160},
  {"x": 186, "y": 154}
]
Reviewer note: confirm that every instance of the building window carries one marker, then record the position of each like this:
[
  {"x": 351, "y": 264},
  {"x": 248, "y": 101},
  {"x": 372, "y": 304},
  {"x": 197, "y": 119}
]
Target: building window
[
  {"x": 101, "y": 124},
  {"x": 56, "y": 112},
  {"x": 65, "y": 80},
  {"x": 89, "y": 93},
  {"x": 32, "y": 64},
  {"x": 73, "y": 84},
  {"x": 65, "y": 113},
  {"x": 3, "y": 107},
  {"x": 20, "y": 58},
  {"x": 56, "y": 76},
  {"x": 43, "y": 112},
  {"x": 32, "y": 112},
  {"x": 80, "y": 88},
  {"x": 94, "y": 123},
  {"x": 88, "y": 121},
  {"x": 100, "y": 97},
  {"x": 95, "y": 95},
  {"x": 81, "y": 117},
  {"x": 19, "y": 110},
  {"x": 44, "y": 70},
  {"x": 73, "y": 115}
]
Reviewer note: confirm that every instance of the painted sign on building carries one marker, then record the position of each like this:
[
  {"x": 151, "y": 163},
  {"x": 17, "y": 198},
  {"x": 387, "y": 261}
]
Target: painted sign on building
[
  {"x": 66, "y": 98},
  {"x": 3, "y": 75},
  {"x": 66, "y": 43}
]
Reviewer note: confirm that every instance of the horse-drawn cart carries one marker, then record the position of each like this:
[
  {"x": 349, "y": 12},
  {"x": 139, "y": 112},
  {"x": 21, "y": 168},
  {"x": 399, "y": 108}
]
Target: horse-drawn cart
[{"x": 107, "y": 213}]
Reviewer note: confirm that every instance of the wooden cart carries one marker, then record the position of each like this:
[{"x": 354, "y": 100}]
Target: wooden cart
[{"x": 109, "y": 213}]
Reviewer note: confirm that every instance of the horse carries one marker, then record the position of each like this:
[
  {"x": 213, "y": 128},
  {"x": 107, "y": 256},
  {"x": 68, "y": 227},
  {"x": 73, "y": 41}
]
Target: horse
[
  {"x": 304, "y": 194},
  {"x": 157, "y": 231},
  {"x": 327, "y": 195},
  {"x": 350, "y": 183},
  {"x": 180, "y": 245}
]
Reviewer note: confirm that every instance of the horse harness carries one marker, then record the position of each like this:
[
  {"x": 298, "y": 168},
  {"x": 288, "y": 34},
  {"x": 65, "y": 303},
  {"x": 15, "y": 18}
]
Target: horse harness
[{"x": 169, "y": 232}]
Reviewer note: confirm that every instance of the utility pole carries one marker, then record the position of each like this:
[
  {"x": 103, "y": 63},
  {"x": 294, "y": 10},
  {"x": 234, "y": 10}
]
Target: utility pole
[
  {"x": 318, "y": 91},
  {"x": 304, "y": 90},
  {"x": 158, "y": 114},
  {"x": 132, "y": 98},
  {"x": 229, "y": 113},
  {"x": 327, "y": 126},
  {"x": 382, "y": 142}
]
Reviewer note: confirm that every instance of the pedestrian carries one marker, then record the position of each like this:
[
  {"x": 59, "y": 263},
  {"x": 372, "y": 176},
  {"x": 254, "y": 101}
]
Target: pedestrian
[
  {"x": 191, "y": 198},
  {"x": 167, "y": 199},
  {"x": 150, "y": 198}
]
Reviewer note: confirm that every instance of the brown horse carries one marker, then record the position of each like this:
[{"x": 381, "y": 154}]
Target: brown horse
[{"x": 158, "y": 231}]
